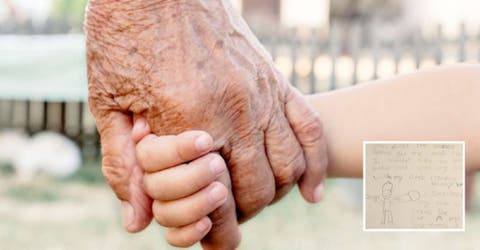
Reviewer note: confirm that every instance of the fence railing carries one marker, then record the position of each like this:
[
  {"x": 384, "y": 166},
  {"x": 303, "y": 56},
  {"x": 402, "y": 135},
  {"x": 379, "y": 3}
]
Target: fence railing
[
  {"x": 313, "y": 60},
  {"x": 72, "y": 119},
  {"x": 318, "y": 60}
]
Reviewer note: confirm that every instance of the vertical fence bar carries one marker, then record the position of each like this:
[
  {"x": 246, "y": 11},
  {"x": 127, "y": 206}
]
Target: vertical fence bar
[
  {"x": 80, "y": 132},
  {"x": 354, "y": 49},
  {"x": 293, "y": 44},
  {"x": 45, "y": 116},
  {"x": 62, "y": 124},
  {"x": 2, "y": 114},
  {"x": 333, "y": 51},
  {"x": 18, "y": 114},
  {"x": 11, "y": 110},
  {"x": 80, "y": 119},
  {"x": 478, "y": 45},
  {"x": 5, "y": 113},
  {"x": 418, "y": 46},
  {"x": 28, "y": 125},
  {"x": 397, "y": 54},
  {"x": 375, "y": 48},
  {"x": 12, "y": 113},
  {"x": 275, "y": 36},
  {"x": 439, "y": 46},
  {"x": 313, "y": 58},
  {"x": 461, "y": 43}
]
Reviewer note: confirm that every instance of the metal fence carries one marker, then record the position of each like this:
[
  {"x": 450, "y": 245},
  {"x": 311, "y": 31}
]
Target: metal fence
[
  {"x": 72, "y": 119},
  {"x": 319, "y": 60},
  {"x": 314, "y": 60}
]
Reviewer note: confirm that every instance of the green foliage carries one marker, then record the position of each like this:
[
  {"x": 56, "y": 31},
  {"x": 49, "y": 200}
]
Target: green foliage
[
  {"x": 89, "y": 173},
  {"x": 45, "y": 188},
  {"x": 6, "y": 169},
  {"x": 33, "y": 192},
  {"x": 69, "y": 13}
]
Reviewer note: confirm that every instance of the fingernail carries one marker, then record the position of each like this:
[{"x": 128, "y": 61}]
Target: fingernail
[
  {"x": 127, "y": 215},
  {"x": 318, "y": 193},
  {"x": 217, "y": 194},
  {"x": 203, "y": 143},
  {"x": 202, "y": 225},
  {"x": 216, "y": 166},
  {"x": 139, "y": 124}
]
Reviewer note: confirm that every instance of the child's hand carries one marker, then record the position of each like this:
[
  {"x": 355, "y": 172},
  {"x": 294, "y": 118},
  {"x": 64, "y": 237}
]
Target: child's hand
[{"x": 191, "y": 189}]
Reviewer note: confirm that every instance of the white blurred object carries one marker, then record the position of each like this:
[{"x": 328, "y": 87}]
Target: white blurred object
[
  {"x": 48, "y": 152},
  {"x": 305, "y": 13},
  {"x": 11, "y": 142},
  {"x": 37, "y": 11}
]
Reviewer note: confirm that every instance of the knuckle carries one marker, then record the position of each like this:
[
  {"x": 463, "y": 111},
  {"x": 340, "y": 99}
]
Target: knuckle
[
  {"x": 182, "y": 154},
  {"x": 198, "y": 210},
  {"x": 143, "y": 151},
  {"x": 254, "y": 202},
  {"x": 291, "y": 170},
  {"x": 147, "y": 186},
  {"x": 150, "y": 188},
  {"x": 234, "y": 98},
  {"x": 159, "y": 213},
  {"x": 311, "y": 130}
]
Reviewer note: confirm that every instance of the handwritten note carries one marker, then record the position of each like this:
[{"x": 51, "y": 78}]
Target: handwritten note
[{"x": 414, "y": 186}]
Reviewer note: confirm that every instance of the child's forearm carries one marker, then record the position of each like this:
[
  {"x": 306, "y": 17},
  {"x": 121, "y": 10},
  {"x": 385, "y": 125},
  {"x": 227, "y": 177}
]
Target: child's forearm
[{"x": 437, "y": 104}]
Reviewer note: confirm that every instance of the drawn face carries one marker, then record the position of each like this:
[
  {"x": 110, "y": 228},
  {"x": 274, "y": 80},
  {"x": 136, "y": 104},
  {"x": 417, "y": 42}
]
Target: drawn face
[{"x": 386, "y": 194}]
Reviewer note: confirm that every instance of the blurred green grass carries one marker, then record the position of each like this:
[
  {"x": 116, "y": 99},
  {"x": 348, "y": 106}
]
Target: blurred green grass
[
  {"x": 45, "y": 188},
  {"x": 90, "y": 173},
  {"x": 6, "y": 169},
  {"x": 33, "y": 192}
]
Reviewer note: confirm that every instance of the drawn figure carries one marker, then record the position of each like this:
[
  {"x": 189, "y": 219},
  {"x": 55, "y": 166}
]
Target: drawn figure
[
  {"x": 439, "y": 219},
  {"x": 387, "y": 218},
  {"x": 386, "y": 200}
]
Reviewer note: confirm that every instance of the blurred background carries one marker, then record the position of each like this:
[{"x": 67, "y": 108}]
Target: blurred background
[{"x": 53, "y": 195}]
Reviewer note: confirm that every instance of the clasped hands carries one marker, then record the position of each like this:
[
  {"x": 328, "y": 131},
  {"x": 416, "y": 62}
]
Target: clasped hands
[{"x": 198, "y": 128}]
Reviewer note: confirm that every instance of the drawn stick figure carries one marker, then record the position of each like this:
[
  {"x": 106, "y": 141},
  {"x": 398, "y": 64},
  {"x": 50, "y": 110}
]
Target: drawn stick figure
[{"x": 386, "y": 201}]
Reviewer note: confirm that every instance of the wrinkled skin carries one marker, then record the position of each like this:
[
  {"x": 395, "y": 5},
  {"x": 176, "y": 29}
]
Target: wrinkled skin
[{"x": 195, "y": 65}]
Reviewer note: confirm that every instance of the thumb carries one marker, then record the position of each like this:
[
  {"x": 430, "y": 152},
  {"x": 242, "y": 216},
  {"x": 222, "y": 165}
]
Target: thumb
[
  {"x": 309, "y": 131},
  {"x": 225, "y": 232},
  {"x": 121, "y": 171},
  {"x": 140, "y": 128}
]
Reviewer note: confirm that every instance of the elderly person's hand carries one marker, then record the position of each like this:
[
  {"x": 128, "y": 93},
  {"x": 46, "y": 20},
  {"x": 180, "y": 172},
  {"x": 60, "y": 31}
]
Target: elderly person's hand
[{"x": 195, "y": 65}]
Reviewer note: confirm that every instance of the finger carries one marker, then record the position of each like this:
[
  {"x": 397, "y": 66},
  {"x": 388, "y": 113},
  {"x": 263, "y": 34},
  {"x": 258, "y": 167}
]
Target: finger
[
  {"x": 178, "y": 182},
  {"x": 309, "y": 132},
  {"x": 188, "y": 235},
  {"x": 156, "y": 153},
  {"x": 190, "y": 209},
  {"x": 121, "y": 171},
  {"x": 251, "y": 174},
  {"x": 140, "y": 128},
  {"x": 285, "y": 155},
  {"x": 225, "y": 232}
]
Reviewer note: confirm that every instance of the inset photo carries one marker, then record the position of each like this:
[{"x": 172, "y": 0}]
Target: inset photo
[{"x": 414, "y": 186}]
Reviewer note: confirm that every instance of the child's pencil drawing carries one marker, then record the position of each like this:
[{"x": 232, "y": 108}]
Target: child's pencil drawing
[
  {"x": 385, "y": 200},
  {"x": 414, "y": 186}
]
